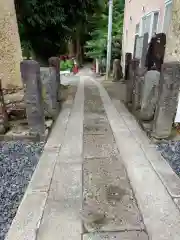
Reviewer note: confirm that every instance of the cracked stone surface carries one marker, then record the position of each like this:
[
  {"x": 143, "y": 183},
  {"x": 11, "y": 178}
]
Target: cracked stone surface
[
  {"x": 108, "y": 200},
  {"x": 106, "y": 190},
  {"x": 99, "y": 146},
  {"x": 134, "y": 235},
  {"x": 97, "y": 124}
]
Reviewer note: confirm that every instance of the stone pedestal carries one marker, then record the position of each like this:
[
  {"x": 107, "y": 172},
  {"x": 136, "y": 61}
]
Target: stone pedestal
[
  {"x": 149, "y": 95},
  {"x": 54, "y": 70},
  {"x": 167, "y": 100},
  {"x": 30, "y": 71}
]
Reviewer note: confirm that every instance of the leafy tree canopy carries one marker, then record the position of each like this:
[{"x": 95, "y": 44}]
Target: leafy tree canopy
[
  {"x": 96, "y": 47},
  {"x": 45, "y": 25}
]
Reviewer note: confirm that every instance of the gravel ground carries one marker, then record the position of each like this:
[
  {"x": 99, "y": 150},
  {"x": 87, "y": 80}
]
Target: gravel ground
[
  {"x": 170, "y": 150},
  {"x": 18, "y": 160}
]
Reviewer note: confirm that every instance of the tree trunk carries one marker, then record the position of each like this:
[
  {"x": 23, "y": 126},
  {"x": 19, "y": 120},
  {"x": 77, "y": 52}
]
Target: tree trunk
[
  {"x": 78, "y": 50},
  {"x": 71, "y": 48},
  {"x": 78, "y": 43}
]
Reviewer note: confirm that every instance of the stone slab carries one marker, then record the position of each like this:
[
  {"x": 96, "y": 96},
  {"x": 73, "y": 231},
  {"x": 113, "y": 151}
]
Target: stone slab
[
  {"x": 165, "y": 172},
  {"x": 60, "y": 221},
  {"x": 66, "y": 182},
  {"x": 41, "y": 179},
  {"x": 93, "y": 102},
  {"x": 69, "y": 159},
  {"x": 93, "y": 106},
  {"x": 177, "y": 202},
  {"x": 106, "y": 187},
  {"x": 72, "y": 141},
  {"x": 64, "y": 122},
  {"x": 161, "y": 216},
  {"x": 121, "y": 108},
  {"x": 29, "y": 214},
  {"x": 57, "y": 134},
  {"x": 169, "y": 178},
  {"x": 133, "y": 235},
  {"x": 98, "y": 125},
  {"x": 99, "y": 146}
]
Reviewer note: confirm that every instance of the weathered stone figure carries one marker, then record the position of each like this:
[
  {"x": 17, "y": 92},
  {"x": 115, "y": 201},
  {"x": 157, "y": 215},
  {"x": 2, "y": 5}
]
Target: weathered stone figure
[
  {"x": 168, "y": 99},
  {"x": 170, "y": 79},
  {"x": 117, "y": 70},
  {"x": 136, "y": 84},
  {"x": 30, "y": 71},
  {"x": 149, "y": 95},
  {"x": 10, "y": 48},
  {"x": 154, "y": 61},
  {"x": 54, "y": 70},
  {"x": 155, "y": 53}
]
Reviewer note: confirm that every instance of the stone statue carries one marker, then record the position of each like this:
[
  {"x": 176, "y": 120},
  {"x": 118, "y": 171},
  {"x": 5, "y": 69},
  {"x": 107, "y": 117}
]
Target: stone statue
[{"x": 117, "y": 70}]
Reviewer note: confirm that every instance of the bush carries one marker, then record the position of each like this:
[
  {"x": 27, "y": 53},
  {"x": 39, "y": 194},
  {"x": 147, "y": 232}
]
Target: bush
[{"x": 66, "y": 65}]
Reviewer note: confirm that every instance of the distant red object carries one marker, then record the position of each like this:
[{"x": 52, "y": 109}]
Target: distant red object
[
  {"x": 75, "y": 69},
  {"x": 94, "y": 68}
]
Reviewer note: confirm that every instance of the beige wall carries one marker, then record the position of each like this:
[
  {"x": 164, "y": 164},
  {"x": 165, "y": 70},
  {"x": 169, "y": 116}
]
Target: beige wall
[
  {"x": 10, "y": 49},
  {"x": 134, "y": 11}
]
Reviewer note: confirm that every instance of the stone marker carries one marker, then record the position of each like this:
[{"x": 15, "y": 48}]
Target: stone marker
[
  {"x": 128, "y": 58},
  {"x": 149, "y": 95},
  {"x": 54, "y": 71},
  {"x": 117, "y": 70},
  {"x": 30, "y": 71},
  {"x": 129, "y": 84},
  {"x": 167, "y": 100},
  {"x": 135, "y": 84},
  {"x": 49, "y": 85}
]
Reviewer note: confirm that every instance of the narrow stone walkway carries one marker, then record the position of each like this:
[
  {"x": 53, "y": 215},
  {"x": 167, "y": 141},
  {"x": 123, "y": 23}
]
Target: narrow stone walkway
[{"x": 94, "y": 180}]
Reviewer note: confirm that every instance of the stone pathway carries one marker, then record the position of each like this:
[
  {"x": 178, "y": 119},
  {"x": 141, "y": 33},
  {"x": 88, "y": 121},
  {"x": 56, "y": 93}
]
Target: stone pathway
[{"x": 95, "y": 181}]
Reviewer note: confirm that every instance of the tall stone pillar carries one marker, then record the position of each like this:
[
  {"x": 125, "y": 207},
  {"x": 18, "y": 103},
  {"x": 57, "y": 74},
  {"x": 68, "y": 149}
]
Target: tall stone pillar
[
  {"x": 10, "y": 48},
  {"x": 170, "y": 79},
  {"x": 30, "y": 71},
  {"x": 136, "y": 82},
  {"x": 167, "y": 102}
]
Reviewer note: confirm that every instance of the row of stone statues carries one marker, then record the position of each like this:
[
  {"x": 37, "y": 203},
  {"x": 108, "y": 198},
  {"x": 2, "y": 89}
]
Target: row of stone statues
[
  {"x": 152, "y": 90},
  {"x": 41, "y": 94}
]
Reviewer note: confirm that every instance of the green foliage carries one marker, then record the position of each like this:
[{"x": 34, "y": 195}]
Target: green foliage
[
  {"x": 96, "y": 47},
  {"x": 46, "y": 25},
  {"x": 66, "y": 65}
]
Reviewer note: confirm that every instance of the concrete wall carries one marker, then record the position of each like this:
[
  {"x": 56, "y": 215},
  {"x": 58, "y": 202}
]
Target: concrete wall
[
  {"x": 134, "y": 11},
  {"x": 10, "y": 48}
]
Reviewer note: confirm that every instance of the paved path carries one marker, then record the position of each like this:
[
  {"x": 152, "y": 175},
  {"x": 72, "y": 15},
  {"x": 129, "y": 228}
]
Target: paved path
[{"x": 96, "y": 178}]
